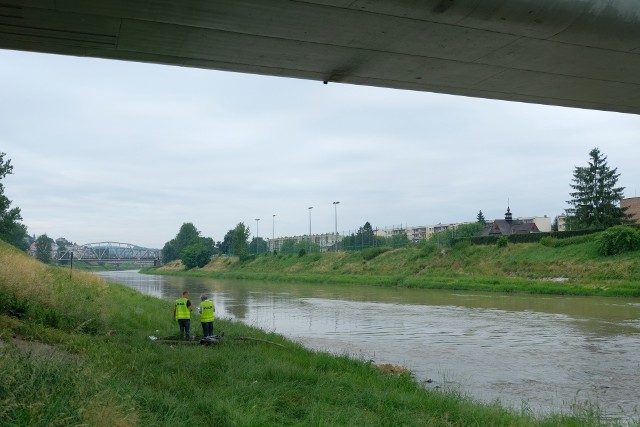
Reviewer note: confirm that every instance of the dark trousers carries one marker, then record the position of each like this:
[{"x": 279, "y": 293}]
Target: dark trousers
[
  {"x": 207, "y": 329},
  {"x": 185, "y": 328}
]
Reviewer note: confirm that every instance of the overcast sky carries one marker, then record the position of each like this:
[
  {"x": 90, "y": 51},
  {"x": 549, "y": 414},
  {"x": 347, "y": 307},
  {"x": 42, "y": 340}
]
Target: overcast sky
[{"x": 128, "y": 152}]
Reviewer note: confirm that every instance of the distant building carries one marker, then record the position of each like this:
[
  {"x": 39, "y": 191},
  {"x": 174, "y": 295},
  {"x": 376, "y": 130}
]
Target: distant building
[
  {"x": 33, "y": 248},
  {"x": 508, "y": 225},
  {"x": 326, "y": 241},
  {"x": 542, "y": 222},
  {"x": 633, "y": 208},
  {"x": 562, "y": 222}
]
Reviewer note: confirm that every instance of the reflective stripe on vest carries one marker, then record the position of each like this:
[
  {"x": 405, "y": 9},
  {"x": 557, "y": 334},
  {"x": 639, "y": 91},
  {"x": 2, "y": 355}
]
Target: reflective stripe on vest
[
  {"x": 207, "y": 311},
  {"x": 182, "y": 311}
]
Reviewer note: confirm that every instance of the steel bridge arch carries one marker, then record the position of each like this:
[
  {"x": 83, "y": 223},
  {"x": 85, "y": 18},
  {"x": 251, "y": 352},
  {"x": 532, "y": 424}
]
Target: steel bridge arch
[{"x": 114, "y": 252}]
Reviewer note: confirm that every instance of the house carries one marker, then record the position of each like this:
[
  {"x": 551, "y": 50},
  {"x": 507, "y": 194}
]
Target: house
[
  {"x": 508, "y": 225},
  {"x": 632, "y": 204}
]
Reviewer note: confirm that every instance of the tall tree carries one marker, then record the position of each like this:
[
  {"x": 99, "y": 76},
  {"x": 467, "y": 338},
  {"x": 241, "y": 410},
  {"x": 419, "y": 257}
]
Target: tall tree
[
  {"x": 11, "y": 230},
  {"x": 240, "y": 241},
  {"x": 596, "y": 197},
  {"x": 480, "y": 218},
  {"x": 258, "y": 246},
  {"x": 226, "y": 244},
  {"x": 43, "y": 248},
  {"x": 188, "y": 235},
  {"x": 365, "y": 237}
]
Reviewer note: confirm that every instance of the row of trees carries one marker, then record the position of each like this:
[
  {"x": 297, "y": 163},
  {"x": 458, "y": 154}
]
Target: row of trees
[{"x": 194, "y": 250}]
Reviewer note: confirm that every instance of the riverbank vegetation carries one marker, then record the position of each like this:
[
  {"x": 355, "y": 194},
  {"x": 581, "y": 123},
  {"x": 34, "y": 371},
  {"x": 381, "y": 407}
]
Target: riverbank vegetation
[
  {"x": 571, "y": 266},
  {"x": 75, "y": 351}
]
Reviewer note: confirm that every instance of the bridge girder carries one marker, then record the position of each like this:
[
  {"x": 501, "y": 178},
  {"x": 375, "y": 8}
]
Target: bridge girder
[
  {"x": 110, "y": 252},
  {"x": 575, "y": 53}
]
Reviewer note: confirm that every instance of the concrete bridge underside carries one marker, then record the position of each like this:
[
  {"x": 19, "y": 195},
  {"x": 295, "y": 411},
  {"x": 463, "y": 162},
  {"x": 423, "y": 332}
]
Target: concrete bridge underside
[{"x": 575, "y": 53}]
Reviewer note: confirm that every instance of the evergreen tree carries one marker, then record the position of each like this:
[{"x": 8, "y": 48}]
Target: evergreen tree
[
  {"x": 480, "y": 218},
  {"x": 364, "y": 238},
  {"x": 11, "y": 230},
  {"x": 596, "y": 198}
]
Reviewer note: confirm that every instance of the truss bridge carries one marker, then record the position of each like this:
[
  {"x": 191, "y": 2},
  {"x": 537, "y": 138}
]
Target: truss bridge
[{"x": 110, "y": 252}]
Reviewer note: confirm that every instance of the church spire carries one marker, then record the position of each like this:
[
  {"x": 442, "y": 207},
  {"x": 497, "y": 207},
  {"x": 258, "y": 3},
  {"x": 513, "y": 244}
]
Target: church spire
[{"x": 507, "y": 215}]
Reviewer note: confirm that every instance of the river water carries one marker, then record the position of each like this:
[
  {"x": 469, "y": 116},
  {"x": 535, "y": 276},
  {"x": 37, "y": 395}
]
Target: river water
[{"x": 531, "y": 352}]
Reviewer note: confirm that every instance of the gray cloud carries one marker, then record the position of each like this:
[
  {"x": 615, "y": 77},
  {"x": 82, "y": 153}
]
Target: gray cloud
[{"x": 107, "y": 150}]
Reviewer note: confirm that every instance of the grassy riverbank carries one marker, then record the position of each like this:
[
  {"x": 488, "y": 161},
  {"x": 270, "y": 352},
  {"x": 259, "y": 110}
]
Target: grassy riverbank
[
  {"x": 570, "y": 266},
  {"x": 74, "y": 351}
]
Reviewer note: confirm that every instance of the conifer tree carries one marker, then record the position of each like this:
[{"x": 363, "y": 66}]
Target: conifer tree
[
  {"x": 480, "y": 218},
  {"x": 596, "y": 197}
]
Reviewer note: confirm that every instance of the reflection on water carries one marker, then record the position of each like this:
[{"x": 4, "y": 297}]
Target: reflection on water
[{"x": 541, "y": 352}]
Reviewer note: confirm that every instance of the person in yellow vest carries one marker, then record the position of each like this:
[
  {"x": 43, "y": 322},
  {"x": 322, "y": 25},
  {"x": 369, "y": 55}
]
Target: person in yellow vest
[
  {"x": 206, "y": 316},
  {"x": 182, "y": 313}
]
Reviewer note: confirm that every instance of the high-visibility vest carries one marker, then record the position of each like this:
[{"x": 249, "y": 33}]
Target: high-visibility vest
[
  {"x": 207, "y": 311},
  {"x": 182, "y": 311}
]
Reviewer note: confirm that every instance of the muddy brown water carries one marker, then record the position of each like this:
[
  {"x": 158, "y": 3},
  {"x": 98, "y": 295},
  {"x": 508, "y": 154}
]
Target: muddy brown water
[{"x": 531, "y": 352}]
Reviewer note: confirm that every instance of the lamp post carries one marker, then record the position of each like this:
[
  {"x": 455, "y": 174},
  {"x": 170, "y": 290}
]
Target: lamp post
[
  {"x": 273, "y": 232},
  {"x": 335, "y": 209},
  {"x": 309, "y": 247},
  {"x": 257, "y": 234}
]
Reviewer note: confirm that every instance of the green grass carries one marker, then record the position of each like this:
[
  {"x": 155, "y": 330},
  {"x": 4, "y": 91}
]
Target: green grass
[
  {"x": 567, "y": 267},
  {"x": 74, "y": 351}
]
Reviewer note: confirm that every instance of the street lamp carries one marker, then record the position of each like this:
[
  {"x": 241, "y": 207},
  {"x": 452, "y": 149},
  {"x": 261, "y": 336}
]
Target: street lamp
[
  {"x": 309, "y": 247},
  {"x": 335, "y": 209},
  {"x": 273, "y": 232},
  {"x": 257, "y": 234}
]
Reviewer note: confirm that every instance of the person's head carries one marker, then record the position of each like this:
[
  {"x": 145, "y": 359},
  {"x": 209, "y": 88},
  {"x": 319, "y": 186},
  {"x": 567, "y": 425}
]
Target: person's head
[
  {"x": 185, "y": 294},
  {"x": 203, "y": 297}
]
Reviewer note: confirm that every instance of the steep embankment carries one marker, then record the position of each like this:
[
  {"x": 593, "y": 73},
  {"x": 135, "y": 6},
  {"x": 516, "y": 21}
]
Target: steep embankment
[
  {"x": 75, "y": 351},
  {"x": 572, "y": 267}
]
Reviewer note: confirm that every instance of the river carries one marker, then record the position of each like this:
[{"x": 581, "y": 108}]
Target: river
[{"x": 531, "y": 352}]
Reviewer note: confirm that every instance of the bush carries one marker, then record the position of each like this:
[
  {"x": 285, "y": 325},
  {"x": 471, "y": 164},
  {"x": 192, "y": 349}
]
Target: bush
[
  {"x": 302, "y": 252},
  {"x": 196, "y": 255},
  {"x": 371, "y": 253},
  {"x": 502, "y": 242},
  {"x": 618, "y": 239}
]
